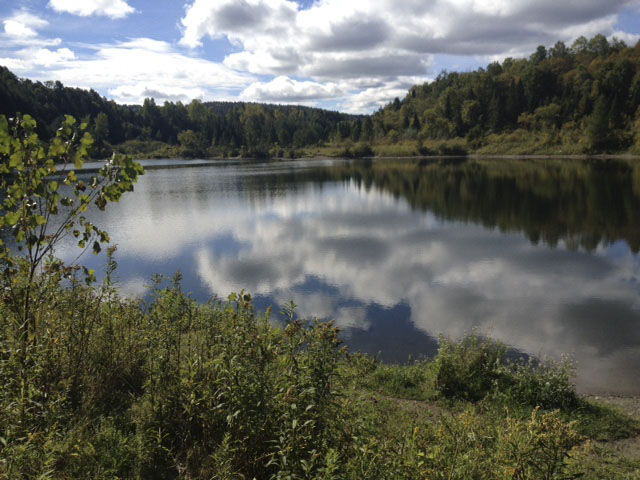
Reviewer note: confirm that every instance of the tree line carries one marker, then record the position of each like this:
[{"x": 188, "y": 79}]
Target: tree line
[
  {"x": 589, "y": 91},
  {"x": 585, "y": 96},
  {"x": 199, "y": 128}
]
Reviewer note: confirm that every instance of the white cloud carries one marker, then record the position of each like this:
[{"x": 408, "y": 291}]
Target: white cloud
[
  {"x": 373, "y": 98},
  {"x": 133, "y": 70},
  {"x": 335, "y": 41},
  {"x": 629, "y": 38},
  {"x": 17, "y": 29},
  {"x": 358, "y": 54},
  {"x": 47, "y": 58},
  {"x": 85, "y": 8},
  {"x": 237, "y": 19},
  {"x": 286, "y": 90},
  {"x": 23, "y": 26}
]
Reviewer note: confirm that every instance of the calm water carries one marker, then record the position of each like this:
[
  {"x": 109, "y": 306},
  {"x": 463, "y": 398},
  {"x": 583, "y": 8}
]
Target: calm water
[{"x": 541, "y": 254}]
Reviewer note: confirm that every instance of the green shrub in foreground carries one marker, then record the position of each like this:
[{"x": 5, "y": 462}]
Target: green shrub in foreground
[
  {"x": 475, "y": 367},
  {"x": 176, "y": 389},
  {"x": 468, "y": 369}
]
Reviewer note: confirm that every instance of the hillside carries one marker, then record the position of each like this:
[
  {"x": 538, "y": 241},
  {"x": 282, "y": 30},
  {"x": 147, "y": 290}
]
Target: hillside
[{"x": 578, "y": 99}]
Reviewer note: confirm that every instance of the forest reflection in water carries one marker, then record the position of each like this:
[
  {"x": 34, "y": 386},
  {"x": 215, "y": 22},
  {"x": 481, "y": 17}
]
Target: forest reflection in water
[{"x": 541, "y": 254}]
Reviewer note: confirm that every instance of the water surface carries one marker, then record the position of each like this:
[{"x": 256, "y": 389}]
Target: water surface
[{"x": 541, "y": 254}]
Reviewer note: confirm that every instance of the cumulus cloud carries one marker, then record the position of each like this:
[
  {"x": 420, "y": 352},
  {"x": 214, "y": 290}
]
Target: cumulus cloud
[
  {"x": 134, "y": 70},
  {"x": 357, "y": 55},
  {"x": 370, "y": 98},
  {"x": 23, "y": 27},
  {"x": 86, "y": 8},
  {"x": 628, "y": 38},
  {"x": 237, "y": 19},
  {"x": 46, "y": 57},
  {"x": 286, "y": 90},
  {"x": 335, "y": 42}
]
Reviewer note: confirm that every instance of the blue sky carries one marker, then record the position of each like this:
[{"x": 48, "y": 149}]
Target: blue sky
[{"x": 349, "y": 55}]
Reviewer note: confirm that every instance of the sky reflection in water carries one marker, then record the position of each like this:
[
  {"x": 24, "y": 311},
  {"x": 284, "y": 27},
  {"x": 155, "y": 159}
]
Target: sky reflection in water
[{"x": 393, "y": 261}]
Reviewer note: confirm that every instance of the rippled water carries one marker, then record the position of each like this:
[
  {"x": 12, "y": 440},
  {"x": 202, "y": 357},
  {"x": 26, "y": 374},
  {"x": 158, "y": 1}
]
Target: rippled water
[{"x": 541, "y": 254}]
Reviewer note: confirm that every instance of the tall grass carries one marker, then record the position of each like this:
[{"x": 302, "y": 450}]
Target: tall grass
[{"x": 169, "y": 389}]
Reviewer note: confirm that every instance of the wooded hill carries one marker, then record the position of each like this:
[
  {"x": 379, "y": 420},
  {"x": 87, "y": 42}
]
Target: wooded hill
[
  {"x": 199, "y": 128},
  {"x": 585, "y": 96},
  {"x": 581, "y": 98}
]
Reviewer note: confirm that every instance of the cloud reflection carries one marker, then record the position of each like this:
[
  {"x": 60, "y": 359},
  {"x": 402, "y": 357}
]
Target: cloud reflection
[{"x": 387, "y": 274}]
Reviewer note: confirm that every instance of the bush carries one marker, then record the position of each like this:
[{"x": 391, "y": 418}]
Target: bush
[
  {"x": 452, "y": 149},
  {"x": 362, "y": 149},
  {"x": 475, "y": 367},
  {"x": 536, "y": 449},
  {"x": 359, "y": 150},
  {"x": 468, "y": 369},
  {"x": 547, "y": 384},
  {"x": 115, "y": 391}
]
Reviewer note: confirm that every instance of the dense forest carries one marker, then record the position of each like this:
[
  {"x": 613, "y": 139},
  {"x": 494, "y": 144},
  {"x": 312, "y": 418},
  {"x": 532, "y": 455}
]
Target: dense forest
[
  {"x": 584, "y": 97},
  {"x": 581, "y": 98},
  {"x": 199, "y": 128}
]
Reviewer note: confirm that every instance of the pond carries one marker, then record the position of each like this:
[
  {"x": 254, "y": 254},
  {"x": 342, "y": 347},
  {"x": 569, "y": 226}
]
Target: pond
[{"x": 541, "y": 254}]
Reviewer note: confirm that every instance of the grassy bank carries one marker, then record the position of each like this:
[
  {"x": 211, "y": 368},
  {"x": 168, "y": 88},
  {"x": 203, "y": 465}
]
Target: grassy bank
[
  {"x": 518, "y": 142},
  {"x": 109, "y": 387}
]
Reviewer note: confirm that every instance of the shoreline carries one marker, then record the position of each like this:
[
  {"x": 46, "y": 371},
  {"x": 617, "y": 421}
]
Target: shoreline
[{"x": 515, "y": 156}]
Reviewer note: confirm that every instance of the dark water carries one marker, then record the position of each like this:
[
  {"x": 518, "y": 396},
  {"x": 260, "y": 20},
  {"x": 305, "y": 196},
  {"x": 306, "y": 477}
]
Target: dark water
[{"x": 541, "y": 254}]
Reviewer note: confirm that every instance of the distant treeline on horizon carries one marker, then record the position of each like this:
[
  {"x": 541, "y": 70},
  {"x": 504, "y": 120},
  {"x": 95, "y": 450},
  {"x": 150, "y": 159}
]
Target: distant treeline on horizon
[{"x": 584, "y": 96}]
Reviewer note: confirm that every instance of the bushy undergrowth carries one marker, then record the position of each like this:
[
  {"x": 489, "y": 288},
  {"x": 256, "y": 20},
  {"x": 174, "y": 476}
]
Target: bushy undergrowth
[
  {"x": 476, "y": 367},
  {"x": 168, "y": 389}
]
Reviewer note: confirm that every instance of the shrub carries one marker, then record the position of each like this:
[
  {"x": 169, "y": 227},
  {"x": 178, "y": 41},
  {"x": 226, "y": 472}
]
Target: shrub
[
  {"x": 468, "y": 369},
  {"x": 362, "y": 149},
  {"x": 452, "y": 149},
  {"x": 547, "y": 384},
  {"x": 536, "y": 449},
  {"x": 474, "y": 367}
]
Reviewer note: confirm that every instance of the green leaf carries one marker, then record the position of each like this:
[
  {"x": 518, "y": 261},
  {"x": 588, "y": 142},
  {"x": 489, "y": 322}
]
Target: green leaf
[
  {"x": 16, "y": 160},
  {"x": 28, "y": 122},
  {"x": 101, "y": 202},
  {"x": 12, "y": 218}
]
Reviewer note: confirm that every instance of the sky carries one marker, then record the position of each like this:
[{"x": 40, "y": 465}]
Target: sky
[{"x": 348, "y": 55}]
